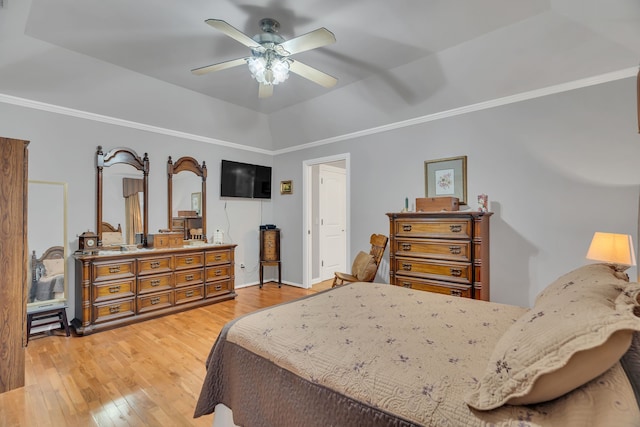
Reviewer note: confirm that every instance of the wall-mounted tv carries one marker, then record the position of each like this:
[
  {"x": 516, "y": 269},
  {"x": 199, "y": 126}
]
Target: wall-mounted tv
[{"x": 245, "y": 180}]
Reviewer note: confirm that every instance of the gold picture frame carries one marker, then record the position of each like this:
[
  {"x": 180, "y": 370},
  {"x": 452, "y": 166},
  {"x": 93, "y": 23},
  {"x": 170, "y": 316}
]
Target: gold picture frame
[
  {"x": 446, "y": 178},
  {"x": 286, "y": 187},
  {"x": 196, "y": 202}
]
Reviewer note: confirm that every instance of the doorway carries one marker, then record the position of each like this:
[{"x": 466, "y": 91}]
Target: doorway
[{"x": 326, "y": 223}]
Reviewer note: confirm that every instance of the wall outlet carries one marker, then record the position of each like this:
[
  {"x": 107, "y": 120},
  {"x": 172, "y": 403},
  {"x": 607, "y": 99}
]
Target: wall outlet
[{"x": 241, "y": 265}]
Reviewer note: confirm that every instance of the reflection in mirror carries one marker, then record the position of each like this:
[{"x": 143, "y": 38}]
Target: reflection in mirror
[
  {"x": 122, "y": 198},
  {"x": 187, "y": 198},
  {"x": 47, "y": 238}
]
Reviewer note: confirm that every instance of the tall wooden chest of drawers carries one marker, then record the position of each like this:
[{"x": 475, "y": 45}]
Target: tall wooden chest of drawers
[
  {"x": 118, "y": 288},
  {"x": 443, "y": 252}
]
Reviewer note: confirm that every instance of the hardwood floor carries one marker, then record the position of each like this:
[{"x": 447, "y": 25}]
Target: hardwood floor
[{"x": 146, "y": 374}]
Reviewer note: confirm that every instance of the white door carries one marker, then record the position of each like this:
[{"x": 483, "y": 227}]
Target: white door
[{"x": 333, "y": 219}]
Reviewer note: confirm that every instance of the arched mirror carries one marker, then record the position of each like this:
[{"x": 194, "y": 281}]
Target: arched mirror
[
  {"x": 122, "y": 211},
  {"x": 47, "y": 240},
  {"x": 187, "y": 198}
]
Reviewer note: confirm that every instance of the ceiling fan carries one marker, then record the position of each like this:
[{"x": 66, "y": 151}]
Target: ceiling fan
[{"x": 270, "y": 60}]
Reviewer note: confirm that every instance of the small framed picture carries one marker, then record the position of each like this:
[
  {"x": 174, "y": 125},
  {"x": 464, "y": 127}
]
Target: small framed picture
[
  {"x": 196, "y": 202},
  {"x": 446, "y": 177},
  {"x": 286, "y": 187}
]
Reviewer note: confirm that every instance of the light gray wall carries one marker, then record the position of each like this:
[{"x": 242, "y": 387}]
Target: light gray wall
[{"x": 556, "y": 169}]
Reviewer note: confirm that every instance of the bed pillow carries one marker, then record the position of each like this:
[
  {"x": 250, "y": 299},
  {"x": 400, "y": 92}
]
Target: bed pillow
[
  {"x": 53, "y": 267},
  {"x": 364, "y": 267},
  {"x": 583, "y": 279},
  {"x": 559, "y": 345}
]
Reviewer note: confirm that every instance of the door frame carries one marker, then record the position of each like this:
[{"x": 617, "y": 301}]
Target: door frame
[{"x": 307, "y": 220}]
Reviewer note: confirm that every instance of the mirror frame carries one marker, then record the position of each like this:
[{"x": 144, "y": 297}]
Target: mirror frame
[
  {"x": 121, "y": 155},
  {"x": 187, "y": 164}
]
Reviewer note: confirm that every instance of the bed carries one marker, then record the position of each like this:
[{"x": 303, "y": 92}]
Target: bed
[
  {"x": 47, "y": 275},
  {"x": 371, "y": 354}
]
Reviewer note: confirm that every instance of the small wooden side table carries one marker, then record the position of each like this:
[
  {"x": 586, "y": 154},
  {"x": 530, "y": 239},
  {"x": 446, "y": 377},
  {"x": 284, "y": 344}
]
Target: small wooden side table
[
  {"x": 270, "y": 252},
  {"x": 47, "y": 316}
]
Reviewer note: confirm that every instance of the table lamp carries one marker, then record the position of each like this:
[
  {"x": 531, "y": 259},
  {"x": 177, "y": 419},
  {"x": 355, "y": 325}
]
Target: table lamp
[{"x": 615, "y": 250}]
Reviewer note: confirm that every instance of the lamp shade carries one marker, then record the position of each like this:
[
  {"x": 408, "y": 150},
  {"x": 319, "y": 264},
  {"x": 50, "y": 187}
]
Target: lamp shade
[{"x": 612, "y": 248}]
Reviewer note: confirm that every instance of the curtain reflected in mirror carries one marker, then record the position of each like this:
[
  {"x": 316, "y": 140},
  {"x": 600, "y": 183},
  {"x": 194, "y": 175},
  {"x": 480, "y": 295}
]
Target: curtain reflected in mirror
[{"x": 47, "y": 241}]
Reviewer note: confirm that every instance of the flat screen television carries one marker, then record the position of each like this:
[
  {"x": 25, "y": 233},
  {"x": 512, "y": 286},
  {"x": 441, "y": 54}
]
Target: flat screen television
[{"x": 245, "y": 180}]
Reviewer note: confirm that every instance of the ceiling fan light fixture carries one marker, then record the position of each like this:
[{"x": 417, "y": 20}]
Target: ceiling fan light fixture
[{"x": 268, "y": 71}]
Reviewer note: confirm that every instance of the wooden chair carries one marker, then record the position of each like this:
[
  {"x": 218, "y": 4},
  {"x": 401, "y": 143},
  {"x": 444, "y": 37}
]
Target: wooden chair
[{"x": 378, "y": 245}]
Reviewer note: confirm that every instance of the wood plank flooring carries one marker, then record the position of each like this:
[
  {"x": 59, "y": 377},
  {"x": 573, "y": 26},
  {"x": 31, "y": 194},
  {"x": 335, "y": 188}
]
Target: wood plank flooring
[{"x": 147, "y": 374}]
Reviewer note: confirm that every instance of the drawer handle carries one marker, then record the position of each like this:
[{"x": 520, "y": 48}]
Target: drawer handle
[
  {"x": 456, "y": 272},
  {"x": 155, "y": 264},
  {"x": 188, "y": 261},
  {"x": 406, "y": 266},
  {"x": 114, "y": 309},
  {"x": 406, "y": 227},
  {"x": 188, "y": 294},
  {"x": 155, "y": 282},
  {"x": 114, "y": 289},
  {"x": 188, "y": 277},
  {"x": 456, "y": 293},
  {"x": 218, "y": 287},
  {"x": 406, "y": 284},
  {"x": 406, "y": 246},
  {"x": 155, "y": 300},
  {"x": 455, "y": 250},
  {"x": 455, "y": 228},
  {"x": 114, "y": 269},
  {"x": 218, "y": 257},
  {"x": 218, "y": 272}
]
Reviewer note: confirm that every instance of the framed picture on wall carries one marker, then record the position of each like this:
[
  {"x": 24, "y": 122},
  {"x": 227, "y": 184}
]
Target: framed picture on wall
[
  {"x": 286, "y": 187},
  {"x": 446, "y": 178}
]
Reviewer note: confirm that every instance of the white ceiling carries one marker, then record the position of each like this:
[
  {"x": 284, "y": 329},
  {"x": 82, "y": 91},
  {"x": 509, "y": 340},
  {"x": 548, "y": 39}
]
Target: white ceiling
[{"x": 421, "y": 55}]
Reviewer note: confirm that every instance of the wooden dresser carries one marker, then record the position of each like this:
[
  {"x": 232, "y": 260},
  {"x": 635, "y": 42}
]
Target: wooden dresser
[
  {"x": 443, "y": 252},
  {"x": 118, "y": 288}
]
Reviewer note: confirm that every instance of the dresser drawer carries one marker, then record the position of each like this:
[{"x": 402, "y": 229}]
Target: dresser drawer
[
  {"x": 217, "y": 288},
  {"x": 189, "y": 277},
  {"x": 455, "y": 250},
  {"x": 219, "y": 272},
  {"x": 155, "y": 283},
  {"x": 435, "y": 286},
  {"x": 193, "y": 260},
  {"x": 449, "y": 228},
  {"x": 113, "y": 310},
  {"x": 190, "y": 293},
  {"x": 155, "y": 301},
  {"x": 113, "y": 270},
  {"x": 218, "y": 257},
  {"x": 155, "y": 265},
  {"x": 433, "y": 269},
  {"x": 117, "y": 289}
]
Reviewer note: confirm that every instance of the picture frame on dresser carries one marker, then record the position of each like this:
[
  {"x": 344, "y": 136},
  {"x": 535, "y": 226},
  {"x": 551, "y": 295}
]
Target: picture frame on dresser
[{"x": 446, "y": 177}]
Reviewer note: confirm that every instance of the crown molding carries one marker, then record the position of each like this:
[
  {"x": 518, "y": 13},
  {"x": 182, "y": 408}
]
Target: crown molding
[{"x": 524, "y": 96}]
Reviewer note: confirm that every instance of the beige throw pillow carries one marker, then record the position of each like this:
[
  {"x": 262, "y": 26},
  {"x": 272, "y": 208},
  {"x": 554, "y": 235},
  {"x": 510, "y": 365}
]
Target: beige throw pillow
[
  {"x": 560, "y": 344},
  {"x": 364, "y": 267},
  {"x": 53, "y": 267}
]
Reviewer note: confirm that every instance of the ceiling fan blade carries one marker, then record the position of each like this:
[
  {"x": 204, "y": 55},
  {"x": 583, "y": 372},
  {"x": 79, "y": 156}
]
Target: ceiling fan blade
[
  {"x": 310, "y": 73},
  {"x": 265, "y": 91},
  {"x": 234, "y": 33},
  {"x": 219, "y": 66},
  {"x": 317, "y": 38}
]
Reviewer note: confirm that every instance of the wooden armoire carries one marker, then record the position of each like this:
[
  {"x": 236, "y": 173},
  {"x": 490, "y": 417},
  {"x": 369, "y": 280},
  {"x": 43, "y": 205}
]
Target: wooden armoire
[{"x": 13, "y": 261}]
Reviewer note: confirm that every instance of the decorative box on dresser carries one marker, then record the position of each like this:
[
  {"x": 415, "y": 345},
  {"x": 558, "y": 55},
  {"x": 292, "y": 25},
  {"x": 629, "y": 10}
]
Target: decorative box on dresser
[
  {"x": 14, "y": 259},
  {"x": 118, "y": 288},
  {"x": 443, "y": 252}
]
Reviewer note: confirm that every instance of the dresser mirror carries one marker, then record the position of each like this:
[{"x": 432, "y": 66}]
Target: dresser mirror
[
  {"x": 122, "y": 191},
  {"x": 187, "y": 198},
  {"x": 47, "y": 241}
]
